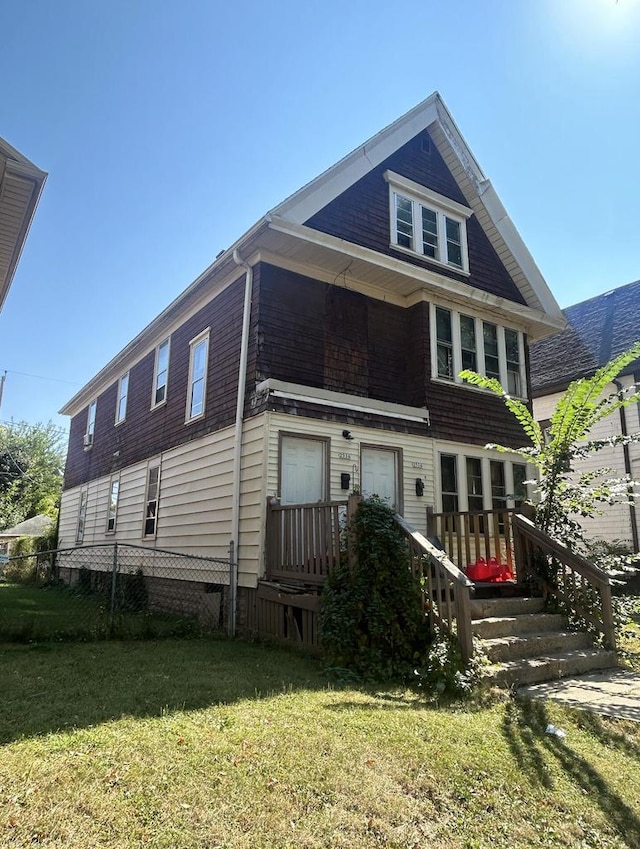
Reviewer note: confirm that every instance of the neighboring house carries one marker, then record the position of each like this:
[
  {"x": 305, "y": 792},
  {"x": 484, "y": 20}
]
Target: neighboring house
[
  {"x": 37, "y": 526},
  {"x": 340, "y": 322},
  {"x": 20, "y": 187},
  {"x": 598, "y": 330}
]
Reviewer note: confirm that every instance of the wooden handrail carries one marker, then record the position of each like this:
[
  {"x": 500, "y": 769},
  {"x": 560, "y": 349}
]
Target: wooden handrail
[
  {"x": 447, "y": 590},
  {"x": 467, "y": 535},
  {"x": 582, "y": 588}
]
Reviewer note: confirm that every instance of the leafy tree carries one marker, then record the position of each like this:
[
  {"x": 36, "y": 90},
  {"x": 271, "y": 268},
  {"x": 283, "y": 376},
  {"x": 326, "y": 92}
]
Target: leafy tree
[
  {"x": 565, "y": 493},
  {"x": 31, "y": 465}
]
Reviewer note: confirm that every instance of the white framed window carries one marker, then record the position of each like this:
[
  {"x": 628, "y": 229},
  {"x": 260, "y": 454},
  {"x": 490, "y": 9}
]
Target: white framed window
[
  {"x": 471, "y": 481},
  {"x": 82, "y": 517},
  {"x": 123, "y": 391},
  {"x": 112, "y": 507},
  {"x": 428, "y": 224},
  {"x": 152, "y": 499},
  {"x": 91, "y": 425},
  {"x": 198, "y": 361},
  {"x": 460, "y": 341},
  {"x": 160, "y": 374}
]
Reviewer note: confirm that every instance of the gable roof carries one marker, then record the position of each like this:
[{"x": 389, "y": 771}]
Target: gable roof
[
  {"x": 432, "y": 115},
  {"x": 598, "y": 330},
  {"x": 33, "y": 527},
  {"x": 20, "y": 188},
  {"x": 282, "y": 232}
]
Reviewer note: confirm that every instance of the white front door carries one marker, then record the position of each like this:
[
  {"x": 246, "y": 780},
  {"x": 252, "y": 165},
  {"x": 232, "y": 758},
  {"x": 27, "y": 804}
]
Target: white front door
[
  {"x": 302, "y": 470},
  {"x": 380, "y": 474}
]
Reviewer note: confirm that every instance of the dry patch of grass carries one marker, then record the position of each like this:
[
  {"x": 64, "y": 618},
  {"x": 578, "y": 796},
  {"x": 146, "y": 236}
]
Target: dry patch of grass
[{"x": 216, "y": 744}]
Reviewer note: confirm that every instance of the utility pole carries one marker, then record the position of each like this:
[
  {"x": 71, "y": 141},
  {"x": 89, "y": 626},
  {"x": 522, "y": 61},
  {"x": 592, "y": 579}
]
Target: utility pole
[{"x": 3, "y": 377}]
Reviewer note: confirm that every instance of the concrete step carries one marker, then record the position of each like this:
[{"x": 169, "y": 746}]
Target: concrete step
[
  {"x": 525, "y": 623},
  {"x": 521, "y": 646},
  {"x": 483, "y": 608},
  {"x": 547, "y": 668}
]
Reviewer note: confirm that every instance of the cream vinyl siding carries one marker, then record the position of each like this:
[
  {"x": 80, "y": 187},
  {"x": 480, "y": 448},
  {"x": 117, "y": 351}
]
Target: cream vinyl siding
[
  {"x": 615, "y": 521},
  {"x": 415, "y": 450},
  {"x": 194, "y": 511}
]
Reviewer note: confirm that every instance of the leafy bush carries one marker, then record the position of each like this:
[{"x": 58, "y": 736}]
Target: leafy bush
[
  {"x": 443, "y": 672},
  {"x": 22, "y": 571},
  {"x": 371, "y": 615}
]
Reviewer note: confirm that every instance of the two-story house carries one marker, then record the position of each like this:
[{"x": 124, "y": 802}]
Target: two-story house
[
  {"x": 319, "y": 355},
  {"x": 598, "y": 330}
]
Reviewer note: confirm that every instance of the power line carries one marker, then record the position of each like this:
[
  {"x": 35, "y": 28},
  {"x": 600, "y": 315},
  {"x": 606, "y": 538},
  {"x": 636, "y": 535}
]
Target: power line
[{"x": 42, "y": 377}]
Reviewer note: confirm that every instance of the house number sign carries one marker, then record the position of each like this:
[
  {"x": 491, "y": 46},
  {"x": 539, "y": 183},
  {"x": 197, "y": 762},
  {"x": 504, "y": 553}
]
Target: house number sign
[
  {"x": 344, "y": 455},
  {"x": 416, "y": 465}
]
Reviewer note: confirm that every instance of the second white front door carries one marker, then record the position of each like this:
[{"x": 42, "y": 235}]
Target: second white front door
[{"x": 379, "y": 475}]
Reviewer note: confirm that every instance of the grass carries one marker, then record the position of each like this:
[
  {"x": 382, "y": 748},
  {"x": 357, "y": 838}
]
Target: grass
[
  {"x": 58, "y": 612},
  {"x": 205, "y": 743}
]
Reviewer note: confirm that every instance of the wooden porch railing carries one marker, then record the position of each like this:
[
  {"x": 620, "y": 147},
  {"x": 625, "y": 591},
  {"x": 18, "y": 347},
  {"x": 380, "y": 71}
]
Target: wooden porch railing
[
  {"x": 582, "y": 590},
  {"x": 446, "y": 590},
  {"x": 303, "y": 540},
  {"x": 466, "y": 536}
]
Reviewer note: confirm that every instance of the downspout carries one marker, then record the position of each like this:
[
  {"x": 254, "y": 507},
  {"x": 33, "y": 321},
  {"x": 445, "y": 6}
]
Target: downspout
[
  {"x": 237, "y": 441},
  {"x": 627, "y": 468}
]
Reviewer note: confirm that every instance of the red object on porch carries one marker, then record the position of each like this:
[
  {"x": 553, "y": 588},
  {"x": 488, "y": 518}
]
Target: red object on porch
[{"x": 491, "y": 572}]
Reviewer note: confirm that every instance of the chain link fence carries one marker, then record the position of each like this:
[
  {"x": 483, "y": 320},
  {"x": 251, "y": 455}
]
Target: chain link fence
[{"x": 112, "y": 590}]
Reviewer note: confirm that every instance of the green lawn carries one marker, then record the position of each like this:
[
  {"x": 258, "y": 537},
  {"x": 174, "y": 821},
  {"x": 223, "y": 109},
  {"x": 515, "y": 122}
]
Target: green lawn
[
  {"x": 204, "y": 743},
  {"x": 57, "y": 612}
]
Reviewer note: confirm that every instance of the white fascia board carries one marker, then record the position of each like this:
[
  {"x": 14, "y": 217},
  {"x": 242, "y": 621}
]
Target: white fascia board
[
  {"x": 328, "y": 398},
  {"x": 438, "y": 284},
  {"x": 308, "y": 200},
  {"x": 519, "y": 250}
]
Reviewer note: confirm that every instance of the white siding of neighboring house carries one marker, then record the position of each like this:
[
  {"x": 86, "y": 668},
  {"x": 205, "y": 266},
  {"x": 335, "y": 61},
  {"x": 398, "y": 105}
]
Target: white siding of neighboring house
[{"x": 615, "y": 521}]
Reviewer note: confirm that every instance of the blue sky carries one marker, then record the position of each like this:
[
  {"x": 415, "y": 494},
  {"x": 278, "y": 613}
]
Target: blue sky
[{"x": 168, "y": 128}]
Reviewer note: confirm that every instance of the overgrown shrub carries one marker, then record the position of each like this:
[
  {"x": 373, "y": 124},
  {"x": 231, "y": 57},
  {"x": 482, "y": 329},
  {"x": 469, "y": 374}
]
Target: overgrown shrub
[
  {"x": 133, "y": 594},
  {"x": 22, "y": 571},
  {"x": 443, "y": 672},
  {"x": 371, "y": 616}
]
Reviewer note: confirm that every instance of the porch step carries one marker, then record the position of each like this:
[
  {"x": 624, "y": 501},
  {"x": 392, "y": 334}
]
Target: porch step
[
  {"x": 533, "y": 670},
  {"x": 483, "y": 608},
  {"x": 526, "y": 623},
  {"x": 523, "y": 647}
]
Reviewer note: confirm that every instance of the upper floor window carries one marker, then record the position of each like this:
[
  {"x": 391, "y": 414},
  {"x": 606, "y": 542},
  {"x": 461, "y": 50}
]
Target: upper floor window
[
  {"x": 123, "y": 391},
  {"x": 427, "y": 223},
  {"x": 160, "y": 374},
  {"x": 91, "y": 424},
  {"x": 196, "y": 395},
  {"x": 112, "y": 509},
  {"x": 461, "y": 341}
]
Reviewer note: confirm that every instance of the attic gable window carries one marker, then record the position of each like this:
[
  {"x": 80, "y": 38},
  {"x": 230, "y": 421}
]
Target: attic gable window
[
  {"x": 428, "y": 224},
  {"x": 460, "y": 341}
]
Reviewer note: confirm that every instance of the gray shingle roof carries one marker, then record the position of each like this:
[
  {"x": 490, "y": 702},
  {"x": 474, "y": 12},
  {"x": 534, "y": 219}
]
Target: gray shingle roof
[{"x": 598, "y": 329}]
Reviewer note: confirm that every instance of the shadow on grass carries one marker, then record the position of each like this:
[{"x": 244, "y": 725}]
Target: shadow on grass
[
  {"x": 52, "y": 687},
  {"x": 524, "y": 729}
]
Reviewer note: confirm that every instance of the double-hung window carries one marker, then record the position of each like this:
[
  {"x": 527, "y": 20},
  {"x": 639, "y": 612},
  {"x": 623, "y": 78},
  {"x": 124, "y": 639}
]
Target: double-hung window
[
  {"x": 460, "y": 341},
  {"x": 160, "y": 374},
  {"x": 151, "y": 500},
  {"x": 123, "y": 391},
  {"x": 112, "y": 507},
  {"x": 91, "y": 425},
  {"x": 427, "y": 223},
  {"x": 197, "y": 388}
]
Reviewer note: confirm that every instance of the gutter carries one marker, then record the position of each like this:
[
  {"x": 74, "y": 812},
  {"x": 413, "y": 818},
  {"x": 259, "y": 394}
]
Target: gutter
[
  {"x": 627, "y": 468},
  {"x": 237, "y": 440}
]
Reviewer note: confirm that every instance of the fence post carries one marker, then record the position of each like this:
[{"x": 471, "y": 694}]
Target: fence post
[
  {"x": 352, "y": 508},
  {"x": 114, "y": 574}
]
